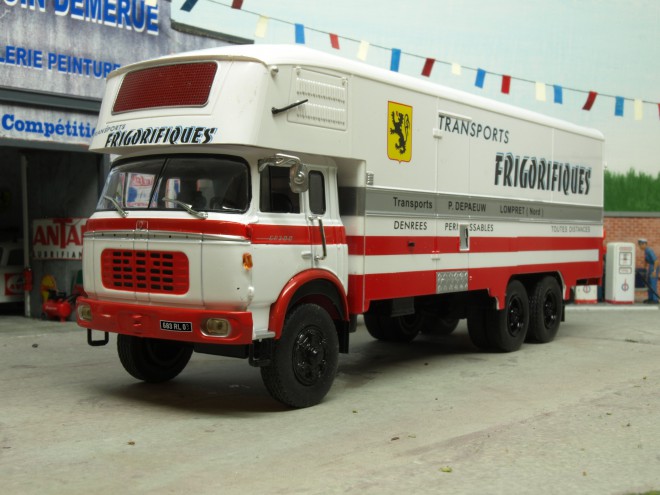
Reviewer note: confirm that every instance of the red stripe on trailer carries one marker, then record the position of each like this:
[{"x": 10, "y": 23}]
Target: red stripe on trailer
[
  {"x": 372, "y": 287},
  {"x": 393, "y": 245}
]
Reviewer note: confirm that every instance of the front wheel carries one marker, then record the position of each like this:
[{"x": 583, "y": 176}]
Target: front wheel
[
  {"x": 152, "y": 360},
  {"x": 305, "y": 358}
]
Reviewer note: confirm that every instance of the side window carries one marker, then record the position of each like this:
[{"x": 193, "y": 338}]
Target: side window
[
  {"x": 316, "y": 193},
  {"x": 275, "y": 195}
]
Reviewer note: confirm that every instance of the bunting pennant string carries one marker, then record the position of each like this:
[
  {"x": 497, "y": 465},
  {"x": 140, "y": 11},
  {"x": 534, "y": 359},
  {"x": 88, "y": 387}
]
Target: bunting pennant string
[{"x": 430, "y": 63}]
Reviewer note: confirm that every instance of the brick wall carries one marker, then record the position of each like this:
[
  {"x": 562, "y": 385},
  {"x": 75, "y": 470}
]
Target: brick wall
[{"x": 621, "y": 227}]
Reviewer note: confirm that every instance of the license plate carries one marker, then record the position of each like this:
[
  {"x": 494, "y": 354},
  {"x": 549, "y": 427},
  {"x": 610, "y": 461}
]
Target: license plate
[{"x": 176, "y": 326}]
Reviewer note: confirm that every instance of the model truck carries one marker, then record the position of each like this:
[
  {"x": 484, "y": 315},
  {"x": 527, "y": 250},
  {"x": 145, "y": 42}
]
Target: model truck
[{"x": 262, "y": 197}]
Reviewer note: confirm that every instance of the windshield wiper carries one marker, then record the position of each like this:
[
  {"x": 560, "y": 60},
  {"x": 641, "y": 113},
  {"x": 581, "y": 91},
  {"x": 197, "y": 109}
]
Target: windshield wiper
[
  {"x": 199, "y": 214},
  {"x": 117, "y": 206}
]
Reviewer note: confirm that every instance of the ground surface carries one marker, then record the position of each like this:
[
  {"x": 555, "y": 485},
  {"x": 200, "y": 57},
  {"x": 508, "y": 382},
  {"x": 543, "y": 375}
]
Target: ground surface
[{"x": 579, "y": 415}]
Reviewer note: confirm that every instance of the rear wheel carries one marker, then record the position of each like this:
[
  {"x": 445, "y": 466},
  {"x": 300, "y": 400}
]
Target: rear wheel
[
  {"x": 152, "y": 360},
  {"x": 507, "y": 328},
  {"x": 546, "y": 308},
  {"x": 382, "y": 326},
  {"x": 304, "y": 361}
]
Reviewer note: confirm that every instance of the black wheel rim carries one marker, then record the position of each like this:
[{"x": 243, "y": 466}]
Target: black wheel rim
[
  {"x": 515, "y": 316},
  {"x": 550, "y": 310},
  {"x": 310, "y": 356}
]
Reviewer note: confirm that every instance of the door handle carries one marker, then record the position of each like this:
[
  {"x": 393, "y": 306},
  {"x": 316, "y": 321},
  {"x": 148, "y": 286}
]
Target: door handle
[{"x": 325, "y": 247}]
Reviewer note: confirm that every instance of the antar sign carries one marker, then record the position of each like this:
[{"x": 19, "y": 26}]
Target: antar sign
[{"x": 58, "y": 238}]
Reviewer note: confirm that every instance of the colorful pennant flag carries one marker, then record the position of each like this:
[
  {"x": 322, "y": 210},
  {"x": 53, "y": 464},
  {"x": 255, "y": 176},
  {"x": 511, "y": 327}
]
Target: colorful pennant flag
[
  {"x": 237, "y": 4},
  {"x": 395, "y": 60},
  {"x": 590, "y": 101},
  {"x": 428, "y": 67},
  {"x": 618, "y": 106},
  {"x": 300, "y": 34},
  {"x": 639, "y": 109},
  {"x": 334, "y": 41},
  {"x": 559, "y": 94},
  {"x": 456, "y": 69},
  {"x": 540, "y": 91},
  {"x": 262, "y": 27},
  {"x": 362, "y": 50},
  {"x": 188, "y": 5},
  {"x": 481, "y": 76},
  {"x": 506, "y": 84}
]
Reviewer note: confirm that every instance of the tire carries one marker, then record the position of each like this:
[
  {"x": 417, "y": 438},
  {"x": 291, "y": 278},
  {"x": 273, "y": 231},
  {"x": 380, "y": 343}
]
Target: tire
[
  {"x": 476, "y": 323},
  {"x": 507, "y": 328},
  {"x": 545, "y": 307},
  {"x": 395, "y": 328},
  {"x": 152, "y": 360},
  {"x": 304, "y": 361}
]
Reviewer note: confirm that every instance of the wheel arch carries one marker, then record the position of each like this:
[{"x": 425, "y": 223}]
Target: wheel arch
[{"x": 311, "y": 286}]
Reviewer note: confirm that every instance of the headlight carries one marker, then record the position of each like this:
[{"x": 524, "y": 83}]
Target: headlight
[
  {"x": 217, "y": 327},
  {"x": 84, "y": 312}
]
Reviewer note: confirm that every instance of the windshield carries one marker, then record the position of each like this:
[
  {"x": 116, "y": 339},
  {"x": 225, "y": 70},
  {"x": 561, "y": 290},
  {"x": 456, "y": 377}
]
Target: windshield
[{"x": 203, "y": 182}]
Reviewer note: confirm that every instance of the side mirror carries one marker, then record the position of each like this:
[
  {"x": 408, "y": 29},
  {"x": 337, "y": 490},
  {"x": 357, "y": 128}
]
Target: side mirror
[
  {"x": 298, "y": 174},
  {"x": 298, "y": 178}
]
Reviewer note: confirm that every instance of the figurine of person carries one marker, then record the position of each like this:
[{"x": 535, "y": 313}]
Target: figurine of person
[{"x": 652, "y": 265}]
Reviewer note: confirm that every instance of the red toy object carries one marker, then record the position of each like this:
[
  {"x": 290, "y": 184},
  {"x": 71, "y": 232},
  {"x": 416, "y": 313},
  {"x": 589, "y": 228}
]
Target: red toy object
[{"x": 58, "y": 305}]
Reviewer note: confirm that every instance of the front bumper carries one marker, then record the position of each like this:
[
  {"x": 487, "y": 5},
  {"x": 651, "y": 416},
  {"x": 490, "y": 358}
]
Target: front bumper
[{"x": 161, "y": 322}]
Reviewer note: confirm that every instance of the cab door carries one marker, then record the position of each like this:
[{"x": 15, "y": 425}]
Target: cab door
[
  {"x": 328, "y": 250},
  {"x": 281, "y": 235}
]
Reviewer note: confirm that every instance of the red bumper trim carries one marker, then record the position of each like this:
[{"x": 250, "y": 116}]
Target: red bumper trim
[{"x": 144, "y": 321}]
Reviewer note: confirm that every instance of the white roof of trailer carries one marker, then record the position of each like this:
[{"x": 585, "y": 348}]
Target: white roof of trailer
[{"x": 281, "y": 55}]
